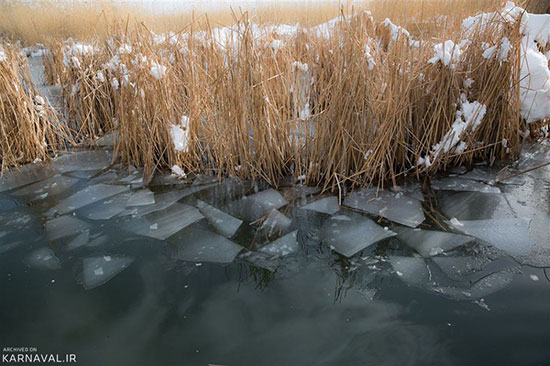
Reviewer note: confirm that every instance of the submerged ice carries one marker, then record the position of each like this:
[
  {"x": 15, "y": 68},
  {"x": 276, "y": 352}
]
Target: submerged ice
[{"x": 97, "y": 271}]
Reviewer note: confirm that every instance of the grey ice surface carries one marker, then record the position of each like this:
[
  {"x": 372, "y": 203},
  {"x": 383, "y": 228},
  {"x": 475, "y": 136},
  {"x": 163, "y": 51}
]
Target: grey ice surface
[
  {"x": 328, "y": 205},
  {"x": 205, "y": 246},
  {"x": 44, "y": 258},
  {"x": 257, "y": 205},
  {"x": 27, "y": 174},
  {"x": 411, "y": 270},
  {"x": 261, "y": 260},
  {"x": 105, "y": 209},
  {"x": 283, "y": 246},
  {"x": 396, "y": 207},
  {"x": 97, "y": 271},
  {"x": 79, "y": 241},
  {"x": 459, "y": 268},
  {"x": 350, "y": 237},
  {"x": 509, "y": 235},
  {"x": 88, "y": 196},
  {"x": 276, "y": 222},
  {"x": 165, "y": 223},
  {"x": 142, "y": 197},
  {"x": 83, "y": 160},
  {"x": 461, "y": 184},
  {"x": 429, "y": 242},
  {"x": 65, "y": 226},
  {"x": 224, "y": 223},
  {"x": 47, "y": 187}
]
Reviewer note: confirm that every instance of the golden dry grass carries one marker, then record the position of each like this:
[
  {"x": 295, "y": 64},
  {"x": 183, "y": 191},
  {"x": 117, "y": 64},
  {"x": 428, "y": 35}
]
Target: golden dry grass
[{"x": 29, "y": 128}]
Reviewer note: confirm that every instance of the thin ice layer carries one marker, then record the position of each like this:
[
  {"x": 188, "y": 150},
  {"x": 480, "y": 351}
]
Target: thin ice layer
[
  {"x": 27, "y": 174},
  {"x": 64, "y": 226},
  {"x": 105, "y": 209},
  {"x": 458, "y": 268},
  {"x": 257, "y": 205},
  {"x": 429, "y": 243},
  {"x": 82, "y": 161},
  {"x": 48, "y": 187},
  {"x": 283, "y": 246},
  {"x": 509, "y": 235},
  {"x": 88, "y": 196},
  {"x": 206, "y": 246},
  {"x": 350, "y": 237},
  {"x": 411, "y": 269},
  {"x": 97, "y": 271},
  {"x": 44, "y": 258},
  {"x": 224, "y": 224},
  {"x": 396, "y": 207},
  {"x": 142, "y": 197},
  {"x": 328, "y": 205},
  {"x": 461, "y": 184},
  {"x": 163, "y": 224},
  {"x": 276, "y": 222}
]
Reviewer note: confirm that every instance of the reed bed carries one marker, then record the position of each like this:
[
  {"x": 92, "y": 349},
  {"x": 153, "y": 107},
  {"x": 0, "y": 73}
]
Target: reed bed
[
  {"x": 29, "y": 128},
  {"x": 353, "y": 102}
]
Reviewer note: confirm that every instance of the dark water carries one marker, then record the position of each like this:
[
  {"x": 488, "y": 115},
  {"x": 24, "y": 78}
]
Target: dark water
[{"x": 312, "y": 307}]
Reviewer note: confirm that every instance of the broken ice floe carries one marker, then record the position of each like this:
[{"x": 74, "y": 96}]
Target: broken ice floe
[
  {"x": 257, "y": 205},
  {"x": 276, "y": 222},
  {"x": 83, "y": 160},
  {"x": 327, "y": 205},
  {"x": 350, "y": 237},
  {"x": 261, "y": 260},
  {"x": 46, "y": 188},
  {"x": 205, "y": 246},
  {"x": 142, "y": 197},
  {"x": 474, "y": 205},
  {"x": 65, "y": 226},
  {"x": 459, "y": 268},
  {"x": 105, "y": 209},
  {"x": 9, "y": 246},
  {"x": 88, "y": 196},
  {"x": 96, "y": 271},
  {"x": 283, "y": 246},
  {"x": 44, "y": 258},
  {"x": 413, "y": 270},
  {"x": 509, "y": 235},
  {"x": 429, "y": 243},
  {"x": 79, "y": 241},
  {"x": 488, "y": 285},
  {"x": 396, "y": 207},
  {"x": 224, "y": 224},
  {"x": 163, "y": 224},
  {"x": 27, "y": 174},
  {"x": 461, "y": 184}
]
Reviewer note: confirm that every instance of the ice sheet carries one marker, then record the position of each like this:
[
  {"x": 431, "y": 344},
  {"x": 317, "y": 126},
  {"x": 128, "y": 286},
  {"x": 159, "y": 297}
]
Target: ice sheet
[
  {"x": 276, "y": 222},
  {"x": 411, "y": 269},
  {"x": 283, "y": 246},
  {"x": 142, "y": 197},
  {"x": 105, "y": 209},
  {"x": 65, "y": 226},
  {"x": 97, "y": 271},
  {"x": 83, "y": 160},
  {"x": 460, "y": 184},
  {"x": 350, "y": 237},
  {"x": 328, "y": 205},
  {"x": 429, "y": 243},
  {"x": 206, "y": 246},
  {"x": 396, "y": 207},
  {"x": 44, "y": 258},
  {"x": 46, "y": 188},
  {"x": 224, "y": 224},
  {"x": 88, "y": 196},
  {"x": 27, "y": 174}
]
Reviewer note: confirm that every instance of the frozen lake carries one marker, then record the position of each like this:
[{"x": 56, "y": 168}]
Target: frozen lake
[{"x": 94, "y": 263}]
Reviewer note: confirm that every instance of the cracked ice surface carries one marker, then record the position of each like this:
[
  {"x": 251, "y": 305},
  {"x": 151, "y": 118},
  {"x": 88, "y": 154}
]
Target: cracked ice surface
[{"x": 396, "y": 207}]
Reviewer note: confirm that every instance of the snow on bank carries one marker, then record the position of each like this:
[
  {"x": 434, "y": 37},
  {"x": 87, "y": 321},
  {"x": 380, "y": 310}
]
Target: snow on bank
[
  {"x": 3, "y": 56},
  {"x": 72, "y": 53}
]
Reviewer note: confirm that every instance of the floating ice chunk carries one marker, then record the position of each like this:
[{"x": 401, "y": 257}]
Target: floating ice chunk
[
  {"x": 283, "y": 246},
  {"x": 205, "y": 246},
  {"x": 327, "y": 205},
  {"x": 474, "y": 206},
  {"x": 261, "y": 260},
  {"x": 88, "y": 196},
  {"x": 107, "y": 140},
  {"x": 395, "y": 207},
  {"x": 350, "y": 237},
  {"x": 27, "y": 174},
  {"x": 168, "y": 221},
  {"x": 65, "y": 226},
  {"x": 429, "y": 243},
  {"x": 141, "y": 198},
  {"x": 492, "y": 283},
  {"x": 44, "y": 258},
  {"x": 106, "y": 209},
  {"x": 411, "y": 269},
  {"x": 224, "y": 224},
  {"x": 79, "y": 241},
  {"x": 458, "y": 268},
  {"x": 509, "y": 235},
  {"x": 51, "y": 186},
  {"x": 461, "y": 184},
  {"x": 83, "y": 160},
  {"x": 84, "y": 174},
  {"x": 257, "y": 205},
  {"x": 276, "y": 222},
  {"x": 97, "y": 271},
  {"x": 534, "y": 277}
]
